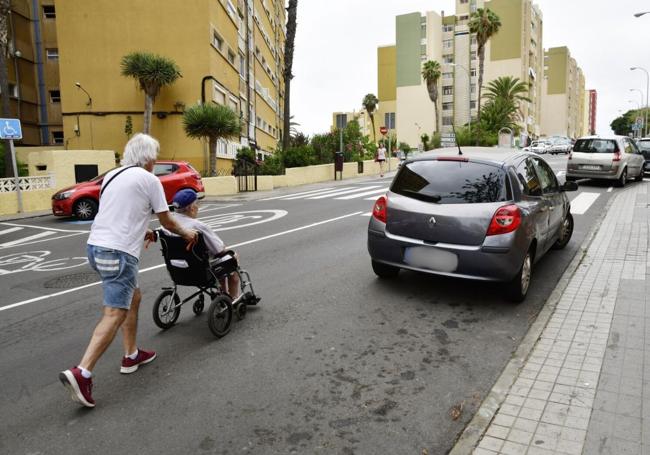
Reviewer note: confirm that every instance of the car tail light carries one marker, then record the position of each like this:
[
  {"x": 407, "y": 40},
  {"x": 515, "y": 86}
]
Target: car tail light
[
  {"x": 506, "y": 219},
  {"x": 379, "y": 210},
  {"x": 617, "y": 156}
]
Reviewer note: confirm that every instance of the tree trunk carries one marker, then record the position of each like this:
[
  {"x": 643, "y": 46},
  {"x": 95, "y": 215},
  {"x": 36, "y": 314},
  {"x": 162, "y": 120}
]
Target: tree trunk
[
  {"x": 372, "y": 122},
  {"x": 148, "y": 109},
  {"x": 481, "y": 62},
  {"x": 213, "y": 156},
  {"x": 5, "y": 8},
  {"x": 288, "y": 65},
  {"x": 432, "y": 88}
]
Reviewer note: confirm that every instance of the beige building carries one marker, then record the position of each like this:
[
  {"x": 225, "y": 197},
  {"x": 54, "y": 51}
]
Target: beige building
[
  {"x": 361, "y": 116},
  {"x": 33, "y": 71},
  {"x": 563, "y": 107},
  {"x": 229, "y": 51}
]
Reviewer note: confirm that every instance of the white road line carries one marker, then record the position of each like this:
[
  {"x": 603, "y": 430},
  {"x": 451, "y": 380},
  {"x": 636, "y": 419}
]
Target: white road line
[
  {"x": 609, "y": 190},
  {"x": 366, "y": 193},
  {"x": 295, "y": 194},
  {"x": 248, "y": 242},
  {"x": 26, "y": 239},
  {"x": 7, "y": 231},
  {"x": 338, "y": 193},
  {"x": 366, "y": 214},
  {"x": 322, "y": 193},
  {"x": 209, "y": 207},
  {"x": 581, "y": 203},
  {"x": 45, "y": 228},
  {"x": 49, "y": 239}
]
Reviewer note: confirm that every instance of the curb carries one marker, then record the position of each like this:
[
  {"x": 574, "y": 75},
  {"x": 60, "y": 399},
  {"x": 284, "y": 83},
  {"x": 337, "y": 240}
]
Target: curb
[{"x": 473, "y": 432}]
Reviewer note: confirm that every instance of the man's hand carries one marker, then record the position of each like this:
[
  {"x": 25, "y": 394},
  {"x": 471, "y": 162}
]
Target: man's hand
[
  {"x": 191, "y": 237},
  {"x": 149, "y": 237}
]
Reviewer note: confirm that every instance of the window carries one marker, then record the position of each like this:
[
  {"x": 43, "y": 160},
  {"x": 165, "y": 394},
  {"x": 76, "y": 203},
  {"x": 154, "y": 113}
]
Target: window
[
  {"x": 472, "y": 40},
  {"x": 242, "y": 64},
  {"x": 447, "y": 121},
  {"x": 219, "y": 96},
  {"x": 472, "y": 55},
  {"x": 423, "y": 49},
  {"x": 595, "y": 146},
  {"x": 472, "y": 72},
  {"x": 389, "y": 120},
  {"x": 217, "y": 40},
  {"x": 462, "y": 2},
  {"x": 447, "y": 44},
  {"x": 447, "y": 90},
  {"x": 546, "y": 176},
  {"x": 55, "y": 96},
  {"x": 464, "y": 17},
  {"x": 447, "y": 28},
  {"x": 473, "y": 89},
  {"x": 13, "y": 90},
  {"x": 49, "y": 12},
  {"x": 164, "y": 169},
  {"x": 423, "y": 30},
  {"x": 527, "y": 178},
  {"x": 448, "y": 59},
  {"x": 231, "y": 57},
  {"x": 57, "y": 137},
  {"x": 52, "y": 54},
  {"x": 472, "y": 104},
  {"x": 447, "y": 106},
  {"x": 447, "y": 75}
]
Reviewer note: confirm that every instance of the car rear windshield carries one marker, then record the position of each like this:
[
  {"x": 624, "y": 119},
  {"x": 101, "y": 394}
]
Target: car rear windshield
[
  {"x": 644, "y": 146},
  {"x": 595, "y": 146},
  {"x": 451, "y": 182}
]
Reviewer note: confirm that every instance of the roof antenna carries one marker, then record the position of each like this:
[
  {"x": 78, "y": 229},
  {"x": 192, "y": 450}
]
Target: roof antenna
[{"x": 460, "y": 152}]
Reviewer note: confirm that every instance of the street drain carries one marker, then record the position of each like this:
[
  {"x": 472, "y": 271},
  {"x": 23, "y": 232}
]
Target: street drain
[{"x": 71, "y": 281}]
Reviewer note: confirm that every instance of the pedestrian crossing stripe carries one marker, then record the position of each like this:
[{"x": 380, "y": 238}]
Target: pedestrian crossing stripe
[
  {"x": 295, "y": 194},
  {"x": 365, "y": 193},
  {"x": 339, "y": 193}
]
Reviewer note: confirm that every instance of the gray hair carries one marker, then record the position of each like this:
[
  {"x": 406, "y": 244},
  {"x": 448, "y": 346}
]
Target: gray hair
[{"x": 141, "y": 149}]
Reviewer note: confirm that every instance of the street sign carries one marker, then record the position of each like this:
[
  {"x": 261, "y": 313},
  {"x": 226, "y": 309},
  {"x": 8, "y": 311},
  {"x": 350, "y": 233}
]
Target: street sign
[
  {"x": 10, "y": 129},
  {"x": 383, "y": 130}
]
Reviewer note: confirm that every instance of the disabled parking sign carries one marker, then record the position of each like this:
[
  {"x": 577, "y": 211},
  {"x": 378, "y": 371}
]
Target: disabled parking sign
[{"x": 10, "y": 129}]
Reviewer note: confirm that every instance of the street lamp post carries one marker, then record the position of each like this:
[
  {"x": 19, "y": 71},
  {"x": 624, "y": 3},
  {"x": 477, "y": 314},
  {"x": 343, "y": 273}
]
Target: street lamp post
[
  {"x": 89, "y": 103},
  {"x": 647, "y": 91},
  {"x": 641, "y": 14},
  {"x": 469, "y": 93}
]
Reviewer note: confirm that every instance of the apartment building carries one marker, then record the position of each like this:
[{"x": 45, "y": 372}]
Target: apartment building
[
  {"x": 33, "y": 71},
  {"x": 361, "y": 116},
  {"x": 229, "y": 52},
  {"x": 564, "y": 95}
]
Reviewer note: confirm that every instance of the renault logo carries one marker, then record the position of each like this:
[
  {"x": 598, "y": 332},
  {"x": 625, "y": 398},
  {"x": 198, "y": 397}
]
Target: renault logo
[{"x": 432, "y": 222}]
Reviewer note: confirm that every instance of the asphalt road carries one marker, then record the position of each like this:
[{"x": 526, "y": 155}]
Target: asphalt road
[{"x": 333, "y": 360}]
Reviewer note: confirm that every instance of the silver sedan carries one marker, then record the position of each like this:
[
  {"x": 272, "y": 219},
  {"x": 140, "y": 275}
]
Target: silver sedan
[{"x": 488, "y": 214}]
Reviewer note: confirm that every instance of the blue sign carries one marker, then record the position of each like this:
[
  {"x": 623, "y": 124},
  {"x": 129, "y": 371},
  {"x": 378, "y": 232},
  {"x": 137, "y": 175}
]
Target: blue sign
[{"x": 10, "y": 128}]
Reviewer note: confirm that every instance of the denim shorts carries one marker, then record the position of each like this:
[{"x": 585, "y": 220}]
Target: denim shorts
[{"x": 119, "y": 273}]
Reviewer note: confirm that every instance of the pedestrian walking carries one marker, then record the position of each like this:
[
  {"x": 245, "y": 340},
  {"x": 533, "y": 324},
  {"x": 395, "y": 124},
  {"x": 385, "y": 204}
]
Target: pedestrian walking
[
  {"x": 128, "y": 196},
  {"x": 381, "y": 158}
]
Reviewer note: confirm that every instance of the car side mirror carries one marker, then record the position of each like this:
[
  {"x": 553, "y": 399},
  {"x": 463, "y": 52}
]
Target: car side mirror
[{"x": 569, "y": 186}]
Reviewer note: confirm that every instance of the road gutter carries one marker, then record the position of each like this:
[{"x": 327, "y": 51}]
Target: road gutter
[{"x": 475, "y": 429}]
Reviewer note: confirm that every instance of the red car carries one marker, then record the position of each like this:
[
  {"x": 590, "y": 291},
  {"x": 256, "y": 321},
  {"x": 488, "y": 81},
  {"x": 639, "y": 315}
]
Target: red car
[{"x": 82, "y": 200}]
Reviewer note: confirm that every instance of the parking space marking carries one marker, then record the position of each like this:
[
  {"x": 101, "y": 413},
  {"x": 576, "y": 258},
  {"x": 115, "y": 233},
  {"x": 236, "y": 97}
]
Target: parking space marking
[
  {"x": 27, "y": 239},
  {"x": 45, "y": 228},
  {"x": 609, "y": 190},
  {"x": 581, "y": 203},
  {"x": 7, "y": 231}
]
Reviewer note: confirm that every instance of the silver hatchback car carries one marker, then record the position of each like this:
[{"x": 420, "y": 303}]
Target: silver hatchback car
[
  {"x": 488, "y": 214},
  {"x": 605, "y": 157}
]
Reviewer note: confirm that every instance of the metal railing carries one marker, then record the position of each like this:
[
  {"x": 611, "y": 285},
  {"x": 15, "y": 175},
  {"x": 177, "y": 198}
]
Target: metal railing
[{"x": 44, "y": 182}]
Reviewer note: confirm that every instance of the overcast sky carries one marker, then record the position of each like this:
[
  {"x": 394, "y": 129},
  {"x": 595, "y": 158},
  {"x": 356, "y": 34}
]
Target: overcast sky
[{"x": 335, "y": 61}]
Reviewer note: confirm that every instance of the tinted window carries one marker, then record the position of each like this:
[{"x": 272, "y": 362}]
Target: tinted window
[
  {"x": 595, "y": 146},
  {"x": 546, "y": 177},
  {"x": 163, "y": 169},
  {"x": 451, "y": 182},
  {"x": 527, "y": 178},
  {"x": 644, "y": 147}
]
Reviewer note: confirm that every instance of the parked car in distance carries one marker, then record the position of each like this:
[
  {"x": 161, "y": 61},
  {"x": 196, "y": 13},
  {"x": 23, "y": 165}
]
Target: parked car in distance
[
  {"x": 539, "y": 147},
  {"x": 488, "y": 214},
  {"x": 560, "y": 146},
  {"x": 644, "y": 147},
  {"x": 605, "y": 157},
  {"x": 82, "y": 200}
]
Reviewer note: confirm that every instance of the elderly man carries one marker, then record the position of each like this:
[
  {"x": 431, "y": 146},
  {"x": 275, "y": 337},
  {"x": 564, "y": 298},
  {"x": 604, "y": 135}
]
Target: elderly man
[
  {"x": 128, "y": 196},
  {"x": 187, "y": 209}
]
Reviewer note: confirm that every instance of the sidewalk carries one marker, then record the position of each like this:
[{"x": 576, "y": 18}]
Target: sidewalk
[{"x": 584, "y": 388}]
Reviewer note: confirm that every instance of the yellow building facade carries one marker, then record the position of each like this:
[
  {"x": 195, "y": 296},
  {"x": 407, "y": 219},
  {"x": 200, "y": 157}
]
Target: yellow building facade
[{"x": 228, "y": 53}]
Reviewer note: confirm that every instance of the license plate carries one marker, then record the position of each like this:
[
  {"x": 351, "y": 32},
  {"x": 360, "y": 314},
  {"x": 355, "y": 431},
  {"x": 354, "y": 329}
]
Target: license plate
[
  {"x": 591, "y": 167},
  {"x": 430, "y": 258}
]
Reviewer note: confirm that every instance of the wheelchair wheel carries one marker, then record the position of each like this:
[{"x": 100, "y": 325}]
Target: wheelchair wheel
[
  {"x": 162, "y": 316},
  {"x": 220, "y": 315},
  {"x": 241, "y": 310},
  {"x": 199, "y": 304}
]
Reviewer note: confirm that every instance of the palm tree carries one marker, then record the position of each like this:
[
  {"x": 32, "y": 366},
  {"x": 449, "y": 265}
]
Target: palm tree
[
  {"x": 288, "y": 65},
  {"x": 508, "y": 88},
  {"x": 369, "y": 103},
  {"x": 5, "y": 10},
  {"x": 485, "y": 23},
  {"x": 152, "y": 73},
  {"x": 431, "y": 75},
  {"x": 214, "y": 122}
]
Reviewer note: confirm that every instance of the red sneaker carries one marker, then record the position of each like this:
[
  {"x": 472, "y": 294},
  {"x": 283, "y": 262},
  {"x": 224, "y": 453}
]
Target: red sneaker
[
  {"x": 79, "y": 387},
  {"x": 131, "y": 365}
]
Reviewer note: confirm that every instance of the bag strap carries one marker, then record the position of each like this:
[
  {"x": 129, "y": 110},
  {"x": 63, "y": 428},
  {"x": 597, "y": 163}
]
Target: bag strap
[{"x": 111, "y": 179}]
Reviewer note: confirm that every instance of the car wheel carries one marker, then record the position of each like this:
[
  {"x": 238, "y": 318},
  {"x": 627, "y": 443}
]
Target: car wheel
[
  {"x": 517, "y": 289},
  {"x": 85, "y": 209},
  {"x": 384, "y": 270},
  {"x": 566, "y": 231},
  {"x": 622, "y": 180},
  {"x": 639, "y": 177}
]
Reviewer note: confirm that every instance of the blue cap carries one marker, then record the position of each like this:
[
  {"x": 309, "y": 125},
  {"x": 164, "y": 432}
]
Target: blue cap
[{"x": 184, "y": 198}]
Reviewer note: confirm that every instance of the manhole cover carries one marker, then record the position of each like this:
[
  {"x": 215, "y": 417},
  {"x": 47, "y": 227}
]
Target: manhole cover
[{"x": 71, "y": 281}]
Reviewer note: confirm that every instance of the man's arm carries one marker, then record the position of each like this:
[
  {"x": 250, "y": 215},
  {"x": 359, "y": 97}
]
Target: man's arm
[{"x": 168, "y": 222}]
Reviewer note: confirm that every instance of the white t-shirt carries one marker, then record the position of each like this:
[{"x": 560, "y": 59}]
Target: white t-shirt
[
  {"x": 125, "y": 210},
  {"x": 212, "y": 241},
  {"x": 381, "y": 154}
]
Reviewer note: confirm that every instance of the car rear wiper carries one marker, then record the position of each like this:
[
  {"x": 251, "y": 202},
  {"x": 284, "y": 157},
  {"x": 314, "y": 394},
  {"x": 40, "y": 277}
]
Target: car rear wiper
[{"x": 423, "y": 196}]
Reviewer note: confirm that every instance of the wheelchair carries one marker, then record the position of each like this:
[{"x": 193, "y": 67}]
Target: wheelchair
[{"x": 195, "y": 268}]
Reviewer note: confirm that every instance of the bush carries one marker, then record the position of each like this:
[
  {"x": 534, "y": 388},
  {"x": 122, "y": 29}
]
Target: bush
[
  {"x": 23, "y": 170},
  {"x": 272, "y": 165},
  {"x": 298, "y": 156},
  {"x": 436, "y": 141}
]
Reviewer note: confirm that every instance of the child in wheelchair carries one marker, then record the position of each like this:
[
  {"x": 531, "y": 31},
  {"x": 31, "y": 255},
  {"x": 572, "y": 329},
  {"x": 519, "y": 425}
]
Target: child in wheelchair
[{"x": 207, "y": 265}]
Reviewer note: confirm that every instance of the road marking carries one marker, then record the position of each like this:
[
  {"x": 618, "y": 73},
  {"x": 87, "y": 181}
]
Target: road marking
[
  {"x": 343, "y": 192},
  {"x": 609, "y": 190},
  {"x": 581, "y": 203},
  {"x": 366, "y": 193},
  {"x": 49, "y": 239},
  {"x": 295, "y": 194},
  {"x": 210, "y": 207},
  {"x": 26, "y": 239},
  {"x": 366, "y": 214},
  {"x": 7, "y": 231},
  {"x": 45, "y": 228},
  {"x": 322, "y": 193},
  {"x": 248, "y": 242}
]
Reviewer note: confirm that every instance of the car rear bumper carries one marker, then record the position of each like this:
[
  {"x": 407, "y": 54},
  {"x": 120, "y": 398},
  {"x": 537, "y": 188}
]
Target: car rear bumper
[
  {"x": 460, "y": 261},
  {"x": 611, "y": 174},
  {"x": 61, "y": 207}
]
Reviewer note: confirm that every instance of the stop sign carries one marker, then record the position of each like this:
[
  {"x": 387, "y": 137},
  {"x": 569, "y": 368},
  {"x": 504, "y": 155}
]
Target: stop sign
[{"x": 383, "y": 130}]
